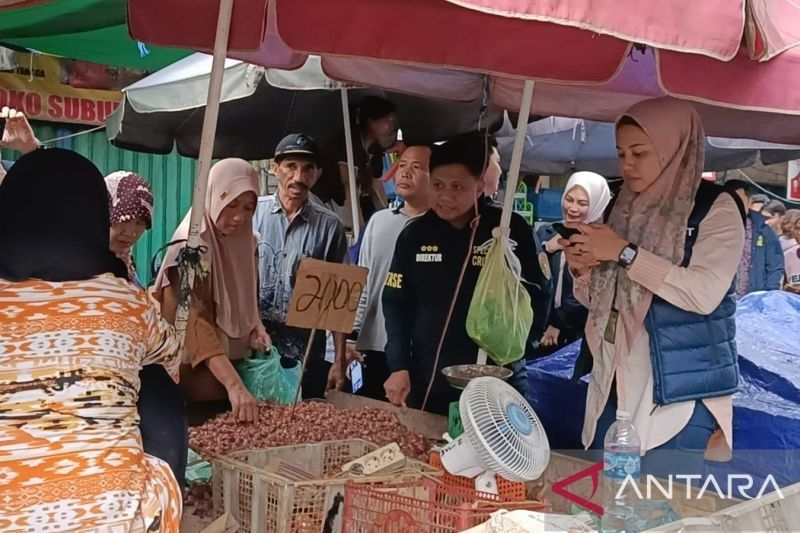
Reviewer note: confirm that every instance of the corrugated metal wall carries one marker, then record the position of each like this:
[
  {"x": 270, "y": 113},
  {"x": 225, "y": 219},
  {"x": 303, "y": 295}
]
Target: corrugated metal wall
[{"x": 172, "y": 178}]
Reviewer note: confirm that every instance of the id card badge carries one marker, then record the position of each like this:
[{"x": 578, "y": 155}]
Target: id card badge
[
  {"x": 610, "y": 334},
  {"x": 356, "y": 376}
]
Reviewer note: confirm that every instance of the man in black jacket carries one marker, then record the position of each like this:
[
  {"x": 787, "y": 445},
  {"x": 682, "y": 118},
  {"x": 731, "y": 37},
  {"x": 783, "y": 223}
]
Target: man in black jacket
[{"x": 428, "y": 260}]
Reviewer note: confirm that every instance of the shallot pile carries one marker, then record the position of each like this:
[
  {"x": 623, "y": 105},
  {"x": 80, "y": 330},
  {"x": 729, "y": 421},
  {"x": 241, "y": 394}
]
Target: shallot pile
[
  {"x": 199, "y": 499},
  {"x": 312, "y": 422}
]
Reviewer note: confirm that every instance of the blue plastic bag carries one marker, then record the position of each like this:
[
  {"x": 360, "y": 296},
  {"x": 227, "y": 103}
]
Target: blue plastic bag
[{"x": 267, "y": 380}]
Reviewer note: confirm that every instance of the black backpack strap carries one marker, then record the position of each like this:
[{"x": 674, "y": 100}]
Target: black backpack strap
[
  {"x": 706, "y": 195},
  {"x": 740, "y": 205},
  {"x": 154, "y": 264}
]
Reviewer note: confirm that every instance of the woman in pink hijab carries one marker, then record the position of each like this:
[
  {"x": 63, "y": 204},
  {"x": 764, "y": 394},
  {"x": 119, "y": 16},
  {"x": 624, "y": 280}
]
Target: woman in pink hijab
[
  {"x": 227, "y": 325},
  {"x": 658, "y": 283}
]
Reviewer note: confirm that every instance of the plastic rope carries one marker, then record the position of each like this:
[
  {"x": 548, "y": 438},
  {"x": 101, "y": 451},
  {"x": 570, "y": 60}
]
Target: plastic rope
[
  {"x": 474, "y": 224},
  {"x": 71, "y": 135},
  {"x": 765, "y": 191},
  {"x": 189, "y": 268}
]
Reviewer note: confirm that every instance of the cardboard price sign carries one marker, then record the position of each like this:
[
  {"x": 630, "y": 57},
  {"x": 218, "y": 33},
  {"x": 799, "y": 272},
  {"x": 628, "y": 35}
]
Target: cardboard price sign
[{"x": 326, "y": 296}]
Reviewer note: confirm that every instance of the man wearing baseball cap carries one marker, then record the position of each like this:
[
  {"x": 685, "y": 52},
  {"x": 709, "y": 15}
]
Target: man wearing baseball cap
[
  {"x": 758, "y": 201},
  {"x": 291, "y": 228}
]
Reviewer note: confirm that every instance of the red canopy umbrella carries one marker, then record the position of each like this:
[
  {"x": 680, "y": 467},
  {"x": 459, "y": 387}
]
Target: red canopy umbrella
[
  {"x": 438, "y": 34},
  {"x": 681, "y": 25},
  {"x": 472, "y": 40},
  {"x": 190, "y": 24},
  {"x": 545, "y": 40},
  {"x": 578, "y": 72},
  {"x": 578, "y": 51}
]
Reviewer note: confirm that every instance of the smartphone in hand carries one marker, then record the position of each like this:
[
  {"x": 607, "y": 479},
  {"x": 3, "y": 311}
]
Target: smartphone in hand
[
  {"x": 356, "y": 376},
  {"x": 564, "y": 231}
]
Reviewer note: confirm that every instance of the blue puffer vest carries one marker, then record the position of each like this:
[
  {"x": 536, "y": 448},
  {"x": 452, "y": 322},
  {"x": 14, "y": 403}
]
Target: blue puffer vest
[{"x": 693, "y": 356}]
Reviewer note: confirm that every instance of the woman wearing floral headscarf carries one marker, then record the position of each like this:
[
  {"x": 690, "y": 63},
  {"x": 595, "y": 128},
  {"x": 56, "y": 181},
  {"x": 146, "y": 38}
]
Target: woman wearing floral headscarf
[
  {"x": 131, "y": 205},
  {"x": 162, "y": 417},
  {"x": 658, "y": 283}
]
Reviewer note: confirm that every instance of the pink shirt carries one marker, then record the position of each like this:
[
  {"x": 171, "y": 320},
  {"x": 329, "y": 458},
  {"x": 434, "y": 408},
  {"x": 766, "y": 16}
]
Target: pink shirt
[{"x": 698, "y": 288}]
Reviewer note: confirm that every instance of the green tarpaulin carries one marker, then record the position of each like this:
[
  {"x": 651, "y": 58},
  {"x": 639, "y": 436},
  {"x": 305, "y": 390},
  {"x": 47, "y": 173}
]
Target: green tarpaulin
[{"x": 88, "y": 30}]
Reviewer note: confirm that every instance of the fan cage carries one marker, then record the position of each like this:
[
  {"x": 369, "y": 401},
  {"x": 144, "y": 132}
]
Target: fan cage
[{"x": 498, "y": 444}]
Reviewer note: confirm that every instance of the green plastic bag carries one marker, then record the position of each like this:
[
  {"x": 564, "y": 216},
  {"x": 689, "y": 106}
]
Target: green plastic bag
[
  {"x": 267, "y": 380},
  {"x": 500, "y": 314}
]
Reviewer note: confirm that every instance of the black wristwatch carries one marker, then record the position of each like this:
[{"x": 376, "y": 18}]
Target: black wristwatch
[{"x": 628, "y": 255}]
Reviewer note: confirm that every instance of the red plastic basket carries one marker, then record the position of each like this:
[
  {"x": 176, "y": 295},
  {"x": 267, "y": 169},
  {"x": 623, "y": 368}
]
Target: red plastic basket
[
  {"x": 426, "y": 507},
  {"x": 507, "y": 491}
]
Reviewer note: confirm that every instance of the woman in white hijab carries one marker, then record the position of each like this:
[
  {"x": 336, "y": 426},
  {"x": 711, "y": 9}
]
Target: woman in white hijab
[{"x": 585, "y": 199}]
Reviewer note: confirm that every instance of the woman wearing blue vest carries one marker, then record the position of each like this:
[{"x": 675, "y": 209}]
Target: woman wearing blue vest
[{"x": 658, "y": 283}]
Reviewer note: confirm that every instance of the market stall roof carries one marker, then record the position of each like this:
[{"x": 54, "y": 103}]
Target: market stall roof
[
  {"x": 510, "y": 47},
  {"x": 638, "y": 79},
  {"x": 88, "y": 30},
  {"x": 429, "y": 32},
  {"x": 260, "y": 106},
  {"x": 191, "y": 24},
  {"x": 767, "y": 27},
  {"x": 680, "y": 25},
  {"x": 440, "y": 49}
]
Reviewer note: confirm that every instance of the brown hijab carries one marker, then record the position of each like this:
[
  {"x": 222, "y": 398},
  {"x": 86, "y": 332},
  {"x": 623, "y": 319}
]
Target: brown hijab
[
  {"x": 655, "y": 220},
  {"x": 230, "y": 259}
]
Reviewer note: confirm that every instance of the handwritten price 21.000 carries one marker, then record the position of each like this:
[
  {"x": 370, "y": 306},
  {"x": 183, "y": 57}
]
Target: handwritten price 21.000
[{"x": 336, "y": 294}]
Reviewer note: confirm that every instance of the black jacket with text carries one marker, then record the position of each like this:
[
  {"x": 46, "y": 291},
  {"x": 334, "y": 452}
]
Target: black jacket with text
[{"x": 428, "y": 258}]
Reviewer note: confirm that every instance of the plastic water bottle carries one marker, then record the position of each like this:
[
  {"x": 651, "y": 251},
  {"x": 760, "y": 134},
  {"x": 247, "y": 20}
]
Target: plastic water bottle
[{"x": 622, "y": 461}]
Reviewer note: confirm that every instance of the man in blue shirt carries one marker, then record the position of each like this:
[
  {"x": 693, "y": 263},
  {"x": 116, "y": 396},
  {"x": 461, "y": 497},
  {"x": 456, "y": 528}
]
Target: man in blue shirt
[
  {"x": 762, "y": 265},
  {"x": 291, "y": 228}
]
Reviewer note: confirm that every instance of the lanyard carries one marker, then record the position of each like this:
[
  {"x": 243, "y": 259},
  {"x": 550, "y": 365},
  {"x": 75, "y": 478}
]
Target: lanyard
[{"x": 610, "y": 333}]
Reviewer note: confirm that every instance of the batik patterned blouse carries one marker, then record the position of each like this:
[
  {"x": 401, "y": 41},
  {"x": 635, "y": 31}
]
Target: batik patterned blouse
[{"x": 71, "y": 454}]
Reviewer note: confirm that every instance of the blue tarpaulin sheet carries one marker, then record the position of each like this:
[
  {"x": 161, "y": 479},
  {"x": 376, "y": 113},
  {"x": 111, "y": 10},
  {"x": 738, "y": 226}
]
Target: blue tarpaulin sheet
[{"x": 766, "y": 413}]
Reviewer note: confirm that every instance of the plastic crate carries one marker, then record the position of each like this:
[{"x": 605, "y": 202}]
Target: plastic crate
[
  {"x": 507, "y": 491},
  {"x": 307, "y": 492},
  {"x": 429, "y": 507},
  {"x": 770, "y": 513},
  {"x": 548, "y": 205}
]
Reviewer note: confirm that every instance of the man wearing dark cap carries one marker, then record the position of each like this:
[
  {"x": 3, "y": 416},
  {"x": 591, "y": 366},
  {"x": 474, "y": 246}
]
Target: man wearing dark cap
[
  {"x": 757, "y": 202},
  {"x": 291, "y": 228},
  {"x": 774, "y": 210}
]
